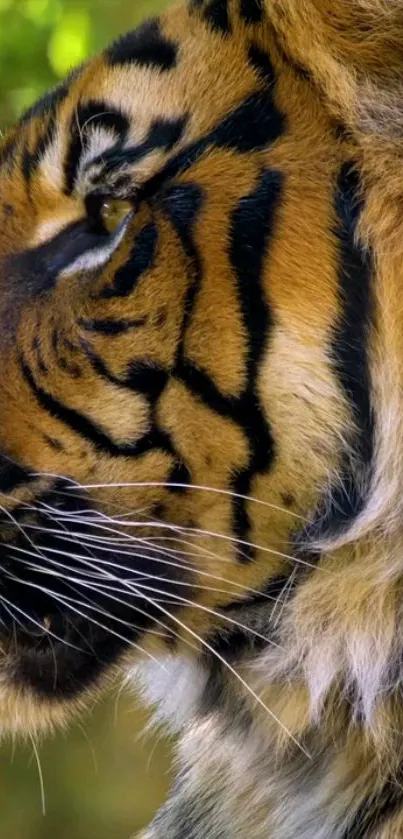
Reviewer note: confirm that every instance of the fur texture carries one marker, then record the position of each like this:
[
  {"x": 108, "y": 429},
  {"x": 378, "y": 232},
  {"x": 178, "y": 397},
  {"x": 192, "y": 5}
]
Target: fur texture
[{"x": 218, "y": 384}]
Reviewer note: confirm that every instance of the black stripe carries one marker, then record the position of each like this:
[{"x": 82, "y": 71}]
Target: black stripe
[
  {"x": 48, "y": 103},
  {"x": 302, "y": 72},
  {"x": 351, "y": 363},
  {"x": 37, "y": 351},
  {"x": 261, "y": 62},
  {"x": 270, "y": 593},
  {"x": 351, "y": 340},
  {"x": 141, "y": 259},
  {"x": 111, "y": 326},
  {"x": 31, "y": 158},
  {"x": 255, "y": 124},
  {"x": 142, "y": 376},
  {"x": 164, "y": 134},
  {"x": 94, "y": 114},
  {"x": 251, "y": 11},
  {"x": 201, "y": 385},
  {"x": 88, "y": 430},
  {"x": 12, "y": 475},
  {"x": 252, "y": 227},
  {"x": 8, "y": 149},
  {"x": 182, "y": 204},
  {"x": 146, "y": 46},
  {"x": 44, "y": 109},
  {"x": 232, "y": 643},
  {"x": 179, "y": 477},
  {"x": 215, "y": 13},
  {"x": 150, "y": 380}
]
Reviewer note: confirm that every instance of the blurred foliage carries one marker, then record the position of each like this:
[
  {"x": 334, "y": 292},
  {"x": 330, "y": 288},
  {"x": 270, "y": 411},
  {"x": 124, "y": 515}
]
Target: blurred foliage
[
  {"x": 41, "y": 40},
  {"x": 102, "y": 779}
]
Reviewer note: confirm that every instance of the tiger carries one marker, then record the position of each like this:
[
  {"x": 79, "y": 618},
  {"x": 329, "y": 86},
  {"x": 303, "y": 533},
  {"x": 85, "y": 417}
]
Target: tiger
[{"x": 201, "y": 409}]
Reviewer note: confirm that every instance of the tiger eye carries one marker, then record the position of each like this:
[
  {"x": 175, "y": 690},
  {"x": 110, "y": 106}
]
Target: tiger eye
[{"x": 113, "y": 213}]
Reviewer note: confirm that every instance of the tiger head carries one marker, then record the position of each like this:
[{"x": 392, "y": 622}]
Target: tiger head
[{"x": 185, "y": 398}]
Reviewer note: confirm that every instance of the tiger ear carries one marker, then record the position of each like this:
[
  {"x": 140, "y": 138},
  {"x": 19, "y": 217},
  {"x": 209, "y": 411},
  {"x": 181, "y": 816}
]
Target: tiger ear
[{"x": 353, "y": 49}]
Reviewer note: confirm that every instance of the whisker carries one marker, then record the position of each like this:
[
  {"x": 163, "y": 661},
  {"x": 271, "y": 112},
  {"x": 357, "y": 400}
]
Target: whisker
[
  {"x": 162, "y": 559},
  {"x": 40, "y": 774},
  {"x": 8, "y": 608},
  {"x": 165, "y": 485},
  {"x": 66, "y": 601},
  {"x": 178, "y": 485},
  {"x": 91, "y": 747},
  {"x": 179, "y": 599},
  {"x": 194, "y": 531},
  {"x": 106, "y": 575},
  {"x": 80, "y": 582}
]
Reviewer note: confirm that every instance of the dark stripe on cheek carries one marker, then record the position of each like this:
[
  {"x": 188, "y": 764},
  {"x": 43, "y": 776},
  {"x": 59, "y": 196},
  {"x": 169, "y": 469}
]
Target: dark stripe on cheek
[
  {"x": 261, "y": 62},
  {"x": 145, "y": 46},
  {"x": 252, "y": 227},
  {"x": 92, "y": 115},
  {"x": 32, "y": 158},
  {"x": 182, "y": 204},
  {"x": 111, "y": 326},
  {"x": 88, "y": 430},
  {"x": 351, "y": 340},
  {"x": 45, "y": 107},
  {"x": 351, "y": 364},
  {"x": 141, "y": 260}
]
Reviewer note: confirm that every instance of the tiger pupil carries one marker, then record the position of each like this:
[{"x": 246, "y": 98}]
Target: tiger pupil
[{"x": 113, "y": 212}]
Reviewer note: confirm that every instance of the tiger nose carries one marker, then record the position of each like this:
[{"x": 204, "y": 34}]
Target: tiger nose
[{"x": 12, "y": 474}]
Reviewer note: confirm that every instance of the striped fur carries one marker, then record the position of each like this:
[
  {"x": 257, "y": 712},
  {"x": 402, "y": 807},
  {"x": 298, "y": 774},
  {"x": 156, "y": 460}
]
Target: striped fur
[{"x": 224, "y": 370}]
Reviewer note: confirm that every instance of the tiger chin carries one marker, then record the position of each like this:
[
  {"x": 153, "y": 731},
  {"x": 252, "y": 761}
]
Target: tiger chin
[{"x": 201, "y": 408}]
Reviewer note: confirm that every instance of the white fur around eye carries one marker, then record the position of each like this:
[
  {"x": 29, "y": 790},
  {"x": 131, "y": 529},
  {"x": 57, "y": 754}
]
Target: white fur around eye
[
  {"x": 98, "y": 141},
  {"x": 96, "y": 257}
]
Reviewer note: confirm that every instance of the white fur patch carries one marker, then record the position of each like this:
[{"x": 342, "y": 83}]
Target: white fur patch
[
  {"x": 96, "y": 257},
  {"x": 174, "y": 685}
]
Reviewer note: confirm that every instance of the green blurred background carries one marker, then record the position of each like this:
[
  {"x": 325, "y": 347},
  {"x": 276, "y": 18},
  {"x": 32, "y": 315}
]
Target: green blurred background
[{"x": 104, "y": 778}]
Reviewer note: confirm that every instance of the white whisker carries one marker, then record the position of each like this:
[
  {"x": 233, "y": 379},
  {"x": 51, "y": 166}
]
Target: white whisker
[
  {"x": 194, "y": 531},
  {"x": 177, "y": 485},
  {"x": 161, "y": 558},
  {"x": 40, "y": 775},
  {"x": 81, "y": 583}
]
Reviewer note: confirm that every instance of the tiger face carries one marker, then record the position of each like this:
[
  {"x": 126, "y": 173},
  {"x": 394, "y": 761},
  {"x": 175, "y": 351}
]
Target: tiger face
[{"x": 178, "y": 229}]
